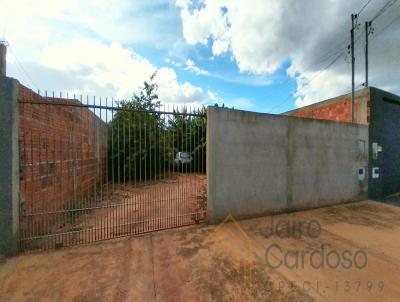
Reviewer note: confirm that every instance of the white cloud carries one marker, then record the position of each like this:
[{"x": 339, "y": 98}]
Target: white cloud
[
  {"x": 125, "y": 21},
  {"x": 61, "y": 46},
  {"x": 261, "y": 35},
  {"x": 191, "y": 66},
  {"x": 200, "y": 24},
  {"x": 237, "y": 26},
  {"x": 242, "y": 79},
  {"x": 172, "y": 92},
  {"x": 66, "y": 44},
  {"x": 119, "y": 67},
  {"x": 173, "y": 63},
  {"x": 242, "y": 103},
  {"x": 103, "y": 64},
  {"x": 212, "y": 96}
]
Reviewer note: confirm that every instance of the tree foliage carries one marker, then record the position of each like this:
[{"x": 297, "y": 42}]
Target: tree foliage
[{"x": 143, "y": 141}]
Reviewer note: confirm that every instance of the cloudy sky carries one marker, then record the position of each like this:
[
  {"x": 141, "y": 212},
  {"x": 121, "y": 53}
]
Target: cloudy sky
[{"x": 258, "y": 55}]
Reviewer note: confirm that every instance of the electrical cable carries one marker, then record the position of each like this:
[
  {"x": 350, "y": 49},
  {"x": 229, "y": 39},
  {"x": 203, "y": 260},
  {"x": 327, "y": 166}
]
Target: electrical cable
[
  {"x": 385, "y": 28},
  {"x": 22, "y": 68},
  {"x": 339, "y": 52},
  {"x": 362, "y": 9},
  {"x": 383, "y": 9}
]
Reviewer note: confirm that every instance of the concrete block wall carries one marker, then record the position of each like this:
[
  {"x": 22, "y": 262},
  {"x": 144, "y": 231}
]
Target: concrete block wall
[
  {"x": 260, "y": 164},
  {"x": 63, "y": 156},
  {"x": 339, "y": 108}
]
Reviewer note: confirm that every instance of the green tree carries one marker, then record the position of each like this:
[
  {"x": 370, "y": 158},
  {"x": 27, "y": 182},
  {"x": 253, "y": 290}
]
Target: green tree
[
  {"x": 143, "y": 142},
  {"x": 134, "y": 134},
  {"x": 188, "y": 134}
]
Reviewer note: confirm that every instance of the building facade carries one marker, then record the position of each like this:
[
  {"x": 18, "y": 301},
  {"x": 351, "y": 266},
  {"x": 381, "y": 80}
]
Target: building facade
[{"x": 380, "y": 110}]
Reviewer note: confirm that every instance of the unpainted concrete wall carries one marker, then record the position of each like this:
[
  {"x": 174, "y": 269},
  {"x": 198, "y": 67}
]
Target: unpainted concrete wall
[
  {"x": 260, "y": 164},
  {"x": 9, "y": 167}
]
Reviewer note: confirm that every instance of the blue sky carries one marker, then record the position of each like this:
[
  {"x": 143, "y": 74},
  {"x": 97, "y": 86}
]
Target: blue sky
[
  {"x": 266, "y": 56},
  {"x": 234, "y": 88}
]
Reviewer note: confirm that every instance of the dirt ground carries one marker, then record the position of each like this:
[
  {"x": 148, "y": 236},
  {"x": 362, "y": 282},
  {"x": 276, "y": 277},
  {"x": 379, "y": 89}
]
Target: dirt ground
[
  {"x": 242, "y": 261},
  {"x": 120, "y": 210}
]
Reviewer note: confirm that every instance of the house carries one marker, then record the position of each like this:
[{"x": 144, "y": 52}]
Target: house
[{"x": 380, "y": 110}]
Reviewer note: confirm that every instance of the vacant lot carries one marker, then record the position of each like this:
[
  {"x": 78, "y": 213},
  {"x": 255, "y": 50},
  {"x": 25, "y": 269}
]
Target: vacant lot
[
  {"x": 229, "y": 263},
  {"x": 120, "y": 210}
]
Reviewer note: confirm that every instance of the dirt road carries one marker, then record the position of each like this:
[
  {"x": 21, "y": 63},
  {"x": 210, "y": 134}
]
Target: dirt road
[{"x": 253, "y": 260}]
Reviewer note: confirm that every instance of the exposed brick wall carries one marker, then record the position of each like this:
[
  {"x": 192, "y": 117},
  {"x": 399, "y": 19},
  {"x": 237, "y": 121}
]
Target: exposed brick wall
[
  {"x": 63, "y": 152},
  {"x": 338, "y": 109}
]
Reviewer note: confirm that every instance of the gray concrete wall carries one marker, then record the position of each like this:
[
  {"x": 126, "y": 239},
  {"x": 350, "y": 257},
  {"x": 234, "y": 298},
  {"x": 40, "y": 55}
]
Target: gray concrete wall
[
  {"x": 260, "y": 164},
  {"x": 3, "y": 55},
  {"x": 9, "y": 166}
]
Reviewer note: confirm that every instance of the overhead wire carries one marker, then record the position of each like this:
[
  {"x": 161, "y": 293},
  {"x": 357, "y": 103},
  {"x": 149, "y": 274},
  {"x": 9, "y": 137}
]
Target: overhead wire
[
  {"x": 336, "y": 53},
  {"x": 340, "y": 51},
  {"x": 362, "y": 8},
  {"x": 310, "y": 81},
  {"x": 20, "y": 66},
  {"x": 339, "y": 54},
  {"x": 386, "y": 27},
  {"x": 387, "y": 5}
]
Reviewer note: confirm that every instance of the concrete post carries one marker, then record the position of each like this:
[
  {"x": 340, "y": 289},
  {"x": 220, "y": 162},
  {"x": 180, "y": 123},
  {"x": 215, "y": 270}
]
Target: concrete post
[
  {"x": 210, "y": 164},
  {"x": 9, "y": 166},
  {"x": 3, "y": 55}
]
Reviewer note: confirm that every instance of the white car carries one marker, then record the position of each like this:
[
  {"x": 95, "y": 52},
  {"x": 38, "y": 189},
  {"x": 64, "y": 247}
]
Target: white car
[{"x": 183, "y": 158}]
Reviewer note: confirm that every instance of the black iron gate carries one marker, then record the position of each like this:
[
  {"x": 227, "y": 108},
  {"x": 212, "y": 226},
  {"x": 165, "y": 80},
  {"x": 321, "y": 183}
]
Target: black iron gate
[{"x": 96, "y": 169}]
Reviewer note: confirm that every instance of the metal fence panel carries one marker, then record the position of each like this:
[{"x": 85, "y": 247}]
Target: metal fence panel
[{"x": 97, "y": 169}]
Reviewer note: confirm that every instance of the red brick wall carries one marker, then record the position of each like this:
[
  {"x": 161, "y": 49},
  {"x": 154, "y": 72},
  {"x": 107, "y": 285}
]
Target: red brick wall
[
  {"x": 338, "y": 109},
  {"x": 63, "y": 152}
]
